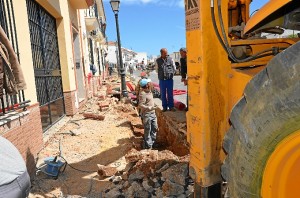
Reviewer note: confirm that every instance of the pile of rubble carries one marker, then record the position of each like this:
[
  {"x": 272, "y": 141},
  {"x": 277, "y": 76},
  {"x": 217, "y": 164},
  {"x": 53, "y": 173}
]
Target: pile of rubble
[
  {"x": 149, "y": 173},
  {"x": 145, "y": 173},
  {"x": 152, "y": 173},
  {"x": 103, "y": 101}
]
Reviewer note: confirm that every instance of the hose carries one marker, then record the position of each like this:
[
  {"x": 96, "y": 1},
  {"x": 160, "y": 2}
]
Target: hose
[
  {"x": 225, "y": 43},
  {"x": 84, "y": 171}
]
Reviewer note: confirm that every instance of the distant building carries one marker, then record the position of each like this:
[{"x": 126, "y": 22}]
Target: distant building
[
  {"x": 141, "y": 56},
  {"x": 176, "y": 57},
  {"x": 151, "y": 59},
  {"x": 128, "y": 56}
]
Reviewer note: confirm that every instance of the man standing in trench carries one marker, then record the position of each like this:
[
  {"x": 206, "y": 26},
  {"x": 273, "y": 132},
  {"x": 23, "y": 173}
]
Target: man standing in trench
[
  {"x": 166, "y": 69},
  {"x": 147, "y": 106}
]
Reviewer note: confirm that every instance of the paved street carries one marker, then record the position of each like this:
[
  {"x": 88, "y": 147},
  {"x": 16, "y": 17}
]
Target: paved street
[{"x": 177, "y": 84}]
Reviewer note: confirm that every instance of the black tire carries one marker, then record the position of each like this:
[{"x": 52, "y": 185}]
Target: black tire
[{"x": 268, "y": 112}]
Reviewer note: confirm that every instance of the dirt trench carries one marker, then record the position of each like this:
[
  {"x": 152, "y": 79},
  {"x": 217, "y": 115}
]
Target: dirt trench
[{"x": 114, "y": 142}]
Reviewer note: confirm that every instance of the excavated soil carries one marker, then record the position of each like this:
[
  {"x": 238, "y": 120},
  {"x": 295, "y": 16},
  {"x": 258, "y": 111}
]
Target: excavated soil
[{"x": 114, "y": 142}]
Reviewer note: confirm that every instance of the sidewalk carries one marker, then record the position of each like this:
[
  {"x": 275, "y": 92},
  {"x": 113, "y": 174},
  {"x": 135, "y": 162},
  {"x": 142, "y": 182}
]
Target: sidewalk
[{"x": 106, "y": 148}]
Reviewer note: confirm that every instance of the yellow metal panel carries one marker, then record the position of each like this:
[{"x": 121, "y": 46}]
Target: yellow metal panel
[
  {"x": 207, "y": 118},
  {"x": 214, "y": 88},
  {"x": 264, "y": 12},
  {"x": 237, "y": 83}
]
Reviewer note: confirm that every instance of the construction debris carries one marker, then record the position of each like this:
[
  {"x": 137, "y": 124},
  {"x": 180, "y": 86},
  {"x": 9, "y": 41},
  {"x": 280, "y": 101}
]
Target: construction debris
[
  {"x": 114, "y": 146},
  {"x": 93, "y": 116},
  {"x": 155, "y": 174},
  {"x": 106, "y": 171}
]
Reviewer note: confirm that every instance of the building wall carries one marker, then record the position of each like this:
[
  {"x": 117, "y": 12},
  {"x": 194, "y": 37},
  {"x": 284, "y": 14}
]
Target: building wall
[
  {"x": 64, "y": 27},
  {"x": 66, "y": 19},
  {"x": 142, "y": 56},
  {"x": 175, "y": 56},
  {"x": 73, "y": 16},
  {"x": 111, "y": 54},
  {"x": 25, "y": 133},
  {"x": 25, "y": 129},
  {"x": 84, "y": 36},
  {"x": 24, "y": 44}
]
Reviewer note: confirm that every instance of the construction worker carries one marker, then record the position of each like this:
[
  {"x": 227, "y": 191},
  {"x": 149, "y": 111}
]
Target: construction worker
[
  {"x": 143, "y": 75},
  {"x": 183, "y": 72},
  {"x": 14, "y": 178},
  {"x": 146, "y": 104}
]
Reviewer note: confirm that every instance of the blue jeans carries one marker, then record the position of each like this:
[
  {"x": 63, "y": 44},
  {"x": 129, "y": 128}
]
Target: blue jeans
[
  {"x": 150, "y": 129},
  {"x": 166, "y": 91},
  {"x": 18, "y": 188}
]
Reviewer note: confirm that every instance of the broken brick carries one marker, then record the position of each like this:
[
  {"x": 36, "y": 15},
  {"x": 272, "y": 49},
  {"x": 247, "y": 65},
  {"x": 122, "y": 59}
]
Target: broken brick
[
  {"x": 137, "y": 131},
  {"x": 104, "y": 105},
  {"x": 93, "y": 116},
  {"x": 106, "y": 171}
]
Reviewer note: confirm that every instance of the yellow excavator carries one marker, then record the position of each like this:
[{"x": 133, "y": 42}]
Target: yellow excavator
[{"x": 243, "y": 121}]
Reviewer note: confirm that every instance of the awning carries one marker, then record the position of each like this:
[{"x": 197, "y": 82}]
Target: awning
[{"x": 81, "y": 4}]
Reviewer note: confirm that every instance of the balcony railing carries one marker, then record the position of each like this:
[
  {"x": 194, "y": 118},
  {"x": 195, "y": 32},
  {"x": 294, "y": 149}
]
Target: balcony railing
[
  {"x": 10, "y": 103},
  {"x": 92, "y": 12}
]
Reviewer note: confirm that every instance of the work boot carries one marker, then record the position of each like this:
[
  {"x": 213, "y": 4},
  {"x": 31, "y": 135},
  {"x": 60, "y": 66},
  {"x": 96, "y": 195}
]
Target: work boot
[
  {"x": 155, "y": 146},
  {"x": 164, "y": 110},
  {"x": 145, "y": 147},
  {"x": 173, "y": 109}
]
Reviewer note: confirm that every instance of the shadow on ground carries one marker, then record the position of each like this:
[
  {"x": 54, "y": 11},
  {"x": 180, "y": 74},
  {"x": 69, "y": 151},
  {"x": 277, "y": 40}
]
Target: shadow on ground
[{"x": 74, "y": 182}]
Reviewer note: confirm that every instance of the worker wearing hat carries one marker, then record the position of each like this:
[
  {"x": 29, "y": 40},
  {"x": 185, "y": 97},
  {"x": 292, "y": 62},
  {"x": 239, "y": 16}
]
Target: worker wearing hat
[
  {"x": 147, "y": 106},
  {"x": 143, "y": 75}
]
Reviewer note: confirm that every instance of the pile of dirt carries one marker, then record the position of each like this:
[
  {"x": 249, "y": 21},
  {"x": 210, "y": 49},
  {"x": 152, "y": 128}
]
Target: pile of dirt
[{"x": 153, "y": 173}]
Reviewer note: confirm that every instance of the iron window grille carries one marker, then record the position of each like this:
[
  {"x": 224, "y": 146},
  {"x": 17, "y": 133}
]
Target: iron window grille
[{"x": 11, "y": 103}]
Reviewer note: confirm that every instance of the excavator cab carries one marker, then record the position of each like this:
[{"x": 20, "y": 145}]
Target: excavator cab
[{"x": 244, "y": 98}]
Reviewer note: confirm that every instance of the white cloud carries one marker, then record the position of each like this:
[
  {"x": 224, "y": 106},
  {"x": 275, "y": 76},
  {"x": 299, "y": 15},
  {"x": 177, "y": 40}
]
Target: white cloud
[
  {"x": 146, "y": 1},
  {"x": 170, "y": 3}
]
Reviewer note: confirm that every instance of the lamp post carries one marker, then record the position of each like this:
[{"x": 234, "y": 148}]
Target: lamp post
[{"x": 115, "y": 4}]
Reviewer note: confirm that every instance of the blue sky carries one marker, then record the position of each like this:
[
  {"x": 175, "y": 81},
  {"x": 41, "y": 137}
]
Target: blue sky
[{"x": 149, "y": 25}]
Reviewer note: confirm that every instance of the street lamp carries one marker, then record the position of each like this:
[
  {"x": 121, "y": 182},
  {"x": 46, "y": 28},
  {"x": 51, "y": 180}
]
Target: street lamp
[{"x": 115, "y": 4}]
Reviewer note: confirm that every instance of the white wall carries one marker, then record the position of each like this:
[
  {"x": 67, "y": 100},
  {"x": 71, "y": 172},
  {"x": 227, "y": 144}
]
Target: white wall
[
  {"x": 175, "y": 56},
  {"x": 141, "y": 56},
  {"x": 111, "y": 54}
]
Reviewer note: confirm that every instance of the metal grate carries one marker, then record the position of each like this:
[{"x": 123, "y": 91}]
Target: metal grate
[
  {"x": 9, "y": 103},
  {"x": 46, "y": 61}
]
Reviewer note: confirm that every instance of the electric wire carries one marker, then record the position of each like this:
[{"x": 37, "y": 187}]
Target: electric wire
[{"x": 253, "y": 12}]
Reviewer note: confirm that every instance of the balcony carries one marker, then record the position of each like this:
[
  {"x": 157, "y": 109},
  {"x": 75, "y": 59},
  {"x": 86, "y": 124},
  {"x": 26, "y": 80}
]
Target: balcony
[
  {"x": 94, "y": 23},
  {"x": 81, "y": 4},
  {"x": 91, "y": 18}
]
